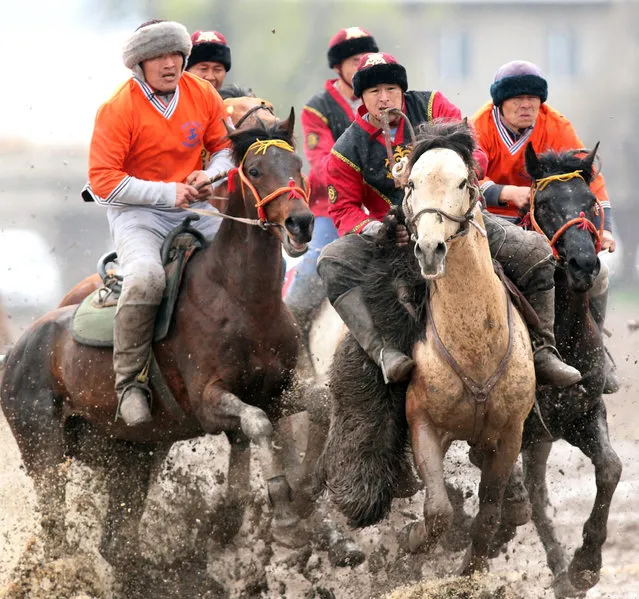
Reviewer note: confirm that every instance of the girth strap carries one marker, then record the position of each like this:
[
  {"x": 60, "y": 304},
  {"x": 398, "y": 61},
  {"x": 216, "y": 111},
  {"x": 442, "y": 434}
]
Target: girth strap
[{"x": 479, "y": 393}]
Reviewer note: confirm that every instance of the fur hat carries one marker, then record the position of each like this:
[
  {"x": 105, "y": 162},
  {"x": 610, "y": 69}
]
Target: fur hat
[
  {"x": 349, "y": 42},
  {"x": 153, "y": 39},
  {"x": 210, "y": 46},
  {"x": 376, "y": 68},
  {"x": 518, "y": 78}
]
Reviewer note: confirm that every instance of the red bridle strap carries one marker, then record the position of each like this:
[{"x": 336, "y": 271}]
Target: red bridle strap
[
  {"x": 293, "y": 190},
  {"x": 581, "y": 221}
]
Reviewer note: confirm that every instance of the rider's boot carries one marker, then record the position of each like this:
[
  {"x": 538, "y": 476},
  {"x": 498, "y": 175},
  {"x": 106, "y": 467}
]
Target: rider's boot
[
  {"x": 549, "y": 367},
  {"x": 352, "y": 309},
  {"x": 598, "y": 305},
  {"x": 133, "y": 334}
]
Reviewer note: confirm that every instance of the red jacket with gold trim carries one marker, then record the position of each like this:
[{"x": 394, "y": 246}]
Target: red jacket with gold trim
[{"x": 360, "y": 184}]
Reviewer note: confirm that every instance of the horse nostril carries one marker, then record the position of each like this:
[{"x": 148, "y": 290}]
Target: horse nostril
[
  {"x": 440, "y": 250},
  {"x": 418, "y": 251},
  {"x": 300, "y": 226}
]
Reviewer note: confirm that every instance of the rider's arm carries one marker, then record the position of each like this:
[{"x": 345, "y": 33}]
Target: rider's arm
[
  {"x": 318, "y": 142},
  {"x": 346, "y": 197},
  {"x": 443, "y": 108},
  {"x": 215, "y": 138},
  {"x": 110, "y": 184}
]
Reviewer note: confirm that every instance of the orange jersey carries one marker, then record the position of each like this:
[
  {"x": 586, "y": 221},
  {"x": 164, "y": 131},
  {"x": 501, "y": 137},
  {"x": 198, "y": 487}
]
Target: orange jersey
[
  {"x": 551, "y": 131},
  {"x": 137, "y": 136}
]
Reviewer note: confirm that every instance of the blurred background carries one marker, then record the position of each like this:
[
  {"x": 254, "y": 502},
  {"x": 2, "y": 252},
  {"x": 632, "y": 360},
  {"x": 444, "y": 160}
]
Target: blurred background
[{"x": 62, "y": 60}]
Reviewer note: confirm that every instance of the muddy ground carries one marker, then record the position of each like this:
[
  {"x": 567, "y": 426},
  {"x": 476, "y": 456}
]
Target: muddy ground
[{"x": 190, "y": 491}]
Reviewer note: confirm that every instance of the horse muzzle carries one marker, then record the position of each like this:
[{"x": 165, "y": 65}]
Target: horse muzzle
[
  {"x": 296, "y": 233},
  {"x": 582, "y": 271},
  {"x": 431, "y": 256}
]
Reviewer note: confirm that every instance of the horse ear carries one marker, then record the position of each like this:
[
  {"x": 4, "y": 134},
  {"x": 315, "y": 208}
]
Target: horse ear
[
  {"x": 588, "y": 161},
  {"x": 289, "y": 124},
  {"x": 229, "y": 126},
  {"x": 533, "y": 166}
]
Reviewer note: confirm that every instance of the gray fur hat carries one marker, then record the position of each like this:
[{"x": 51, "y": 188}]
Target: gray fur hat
[{"x": 154, "y": 38}]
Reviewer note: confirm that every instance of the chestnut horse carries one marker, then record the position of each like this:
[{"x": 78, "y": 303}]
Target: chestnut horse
[
  {"x": 564, "y": 209},
  {"x": 474, "y": 378},
  {"x": 228, "y": 357}
]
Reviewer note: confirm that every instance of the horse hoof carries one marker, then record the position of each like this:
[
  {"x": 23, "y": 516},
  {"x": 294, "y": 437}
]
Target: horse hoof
[
  {"x": 411, "y": 538},
  {"x": 345, "y": 553},
  {"x": 563, "y": 589},
  {"x": 408, "y": 486},
  {"x": 473, "y": 563},
  {"x": 583, "y": 573},
  {"x": 517, "y": 513},
  {"x": 289, "y": 533}
]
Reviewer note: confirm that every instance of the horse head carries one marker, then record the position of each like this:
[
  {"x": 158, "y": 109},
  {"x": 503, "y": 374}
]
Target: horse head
[
  {"x": 564, "y": 210},
  {"x": 270, "y": 178},
  {"x": 441, "y": 195}
]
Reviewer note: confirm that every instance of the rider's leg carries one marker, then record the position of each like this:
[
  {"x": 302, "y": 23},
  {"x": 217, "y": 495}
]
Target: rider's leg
[
  {"x": 598, "y": 304},
  {"x": 138, "y": 245},
  {"x": 341, "y": 266},
  {"x": 528, "y": 261},
  {"x": 306, "y": 292}
]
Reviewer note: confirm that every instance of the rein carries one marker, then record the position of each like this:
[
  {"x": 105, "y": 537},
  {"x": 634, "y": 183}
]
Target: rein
[
  {"x": 401, "y": 165},
  {"x": 248, "y": 113},
  {"x": 293, "y": 190},
  {"x": 581, "y": 222}
]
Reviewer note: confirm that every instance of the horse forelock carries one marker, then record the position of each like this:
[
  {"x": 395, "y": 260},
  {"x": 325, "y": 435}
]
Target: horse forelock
[
  {"x": 243, "y": 139},
  {"x": 451, "y": 135},
  {"x": 560, "y": 163}
]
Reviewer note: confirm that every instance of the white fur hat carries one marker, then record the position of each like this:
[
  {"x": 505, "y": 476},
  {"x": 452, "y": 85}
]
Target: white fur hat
[{"x": 154, "y": 38}]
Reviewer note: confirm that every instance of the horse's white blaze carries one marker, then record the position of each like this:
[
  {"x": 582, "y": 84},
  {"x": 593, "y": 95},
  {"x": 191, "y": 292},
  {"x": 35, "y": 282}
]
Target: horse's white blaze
[{"x": 436, "y": 177}]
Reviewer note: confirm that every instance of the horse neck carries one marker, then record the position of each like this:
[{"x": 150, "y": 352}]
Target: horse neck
[
  {"x": 469, "y": 300},
  {"x": 573, "y": 310},
  {"x": 247, "y": 258}
]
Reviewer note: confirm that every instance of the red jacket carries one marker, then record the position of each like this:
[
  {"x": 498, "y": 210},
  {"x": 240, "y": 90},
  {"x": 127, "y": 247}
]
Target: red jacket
[
  {"x": 354, "y": 201},
  {"x": 325, "y": 117}
]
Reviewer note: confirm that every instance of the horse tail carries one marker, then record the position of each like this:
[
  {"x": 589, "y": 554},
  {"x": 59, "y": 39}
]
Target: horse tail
[{"x": 365, "y": 455}]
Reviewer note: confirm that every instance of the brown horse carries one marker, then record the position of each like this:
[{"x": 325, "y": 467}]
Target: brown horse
[
  {"x": 474, "y": 378},
  {"x": 227, "y": 359}
]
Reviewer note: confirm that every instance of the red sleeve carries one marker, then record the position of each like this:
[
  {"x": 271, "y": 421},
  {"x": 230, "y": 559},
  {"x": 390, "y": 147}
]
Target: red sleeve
[
  {"x": 345, "y": 207},
  {"x": 215, "y": 136},
  {"x": 443, "y": 108},
  {"x": 318, "y": 142}
]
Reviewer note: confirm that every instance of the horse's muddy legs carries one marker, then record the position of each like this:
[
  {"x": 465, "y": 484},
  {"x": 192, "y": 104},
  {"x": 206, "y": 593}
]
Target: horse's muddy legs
[
  {"x": 221, "y": 406},
  {"x": 496, "y": 468},
  {"x": 584, "y": 570},
  {"x": 429, "y": 450}
]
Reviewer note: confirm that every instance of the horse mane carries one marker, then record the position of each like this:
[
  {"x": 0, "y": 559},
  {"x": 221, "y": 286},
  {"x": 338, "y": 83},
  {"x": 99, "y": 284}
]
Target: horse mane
[
  {"x": 235, "y": 91},
  {"x": 242, "y": 139},
  {"x": 450, "y": 135},
  {"x": 560, "y": 163}
]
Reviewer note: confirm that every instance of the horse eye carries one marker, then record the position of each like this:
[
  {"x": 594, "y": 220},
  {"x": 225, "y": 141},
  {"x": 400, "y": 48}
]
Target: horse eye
[
  {"x": 462, "y": 184},
  {"x": 411, "y": 184},
  {"x": 254, "y": 172}
]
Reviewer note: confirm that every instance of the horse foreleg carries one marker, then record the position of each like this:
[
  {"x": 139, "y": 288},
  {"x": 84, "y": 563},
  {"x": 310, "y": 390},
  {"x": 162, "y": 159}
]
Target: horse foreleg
[
  {"x": 127, "y": 477},
  {"x": 593, "y": 440},
  {"x": 496, "y": 467},
  {"x": 429, "y": 449},
  {"x": 220, "y": 407}
]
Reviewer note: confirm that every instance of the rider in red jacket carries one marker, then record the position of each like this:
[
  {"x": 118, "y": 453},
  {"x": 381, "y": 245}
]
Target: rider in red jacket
[{"x": 324, "y": 118}]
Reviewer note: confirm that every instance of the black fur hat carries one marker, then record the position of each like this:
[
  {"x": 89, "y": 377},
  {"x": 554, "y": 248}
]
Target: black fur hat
[
  {"x": 377, "y": 68},
  {"x": 209, "y": 46},
  {"x": 518, "y": 78},
  {"x": 349, "y": 42}
]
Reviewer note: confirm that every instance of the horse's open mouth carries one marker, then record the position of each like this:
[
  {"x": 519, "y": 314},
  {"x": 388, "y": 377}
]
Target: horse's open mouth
[{"x": 293, "y": 248}]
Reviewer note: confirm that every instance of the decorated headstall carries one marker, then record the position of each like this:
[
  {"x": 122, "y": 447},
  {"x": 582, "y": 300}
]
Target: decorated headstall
[
  {"x": 581, "y": 222},
  {"x": 292, "y": 189}
]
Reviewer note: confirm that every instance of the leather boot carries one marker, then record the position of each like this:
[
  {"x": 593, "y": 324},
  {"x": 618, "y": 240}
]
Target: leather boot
[
  {"x": 352, "y": 309},
  {"x": 598, "y": 306},
  {"x": 133, "y": 335},
  {"x": 549, "y": 367}
]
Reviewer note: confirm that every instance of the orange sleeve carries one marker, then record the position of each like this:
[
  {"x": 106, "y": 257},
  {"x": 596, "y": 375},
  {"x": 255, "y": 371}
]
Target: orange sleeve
[
  {"x": 215, "y": 135},
  {"x": 110, "y": 145}
]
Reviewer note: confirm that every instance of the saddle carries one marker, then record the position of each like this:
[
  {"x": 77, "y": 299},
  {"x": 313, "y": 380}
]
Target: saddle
[{"x": 93, "y": 319}]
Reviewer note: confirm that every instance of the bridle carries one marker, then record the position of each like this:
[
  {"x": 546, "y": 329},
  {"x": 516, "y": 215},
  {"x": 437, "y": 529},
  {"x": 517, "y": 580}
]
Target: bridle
[
  {"x": 466, "y": 219},
  {"x": 581, "y": 222},
  {"x": 293, "y": 190}
]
